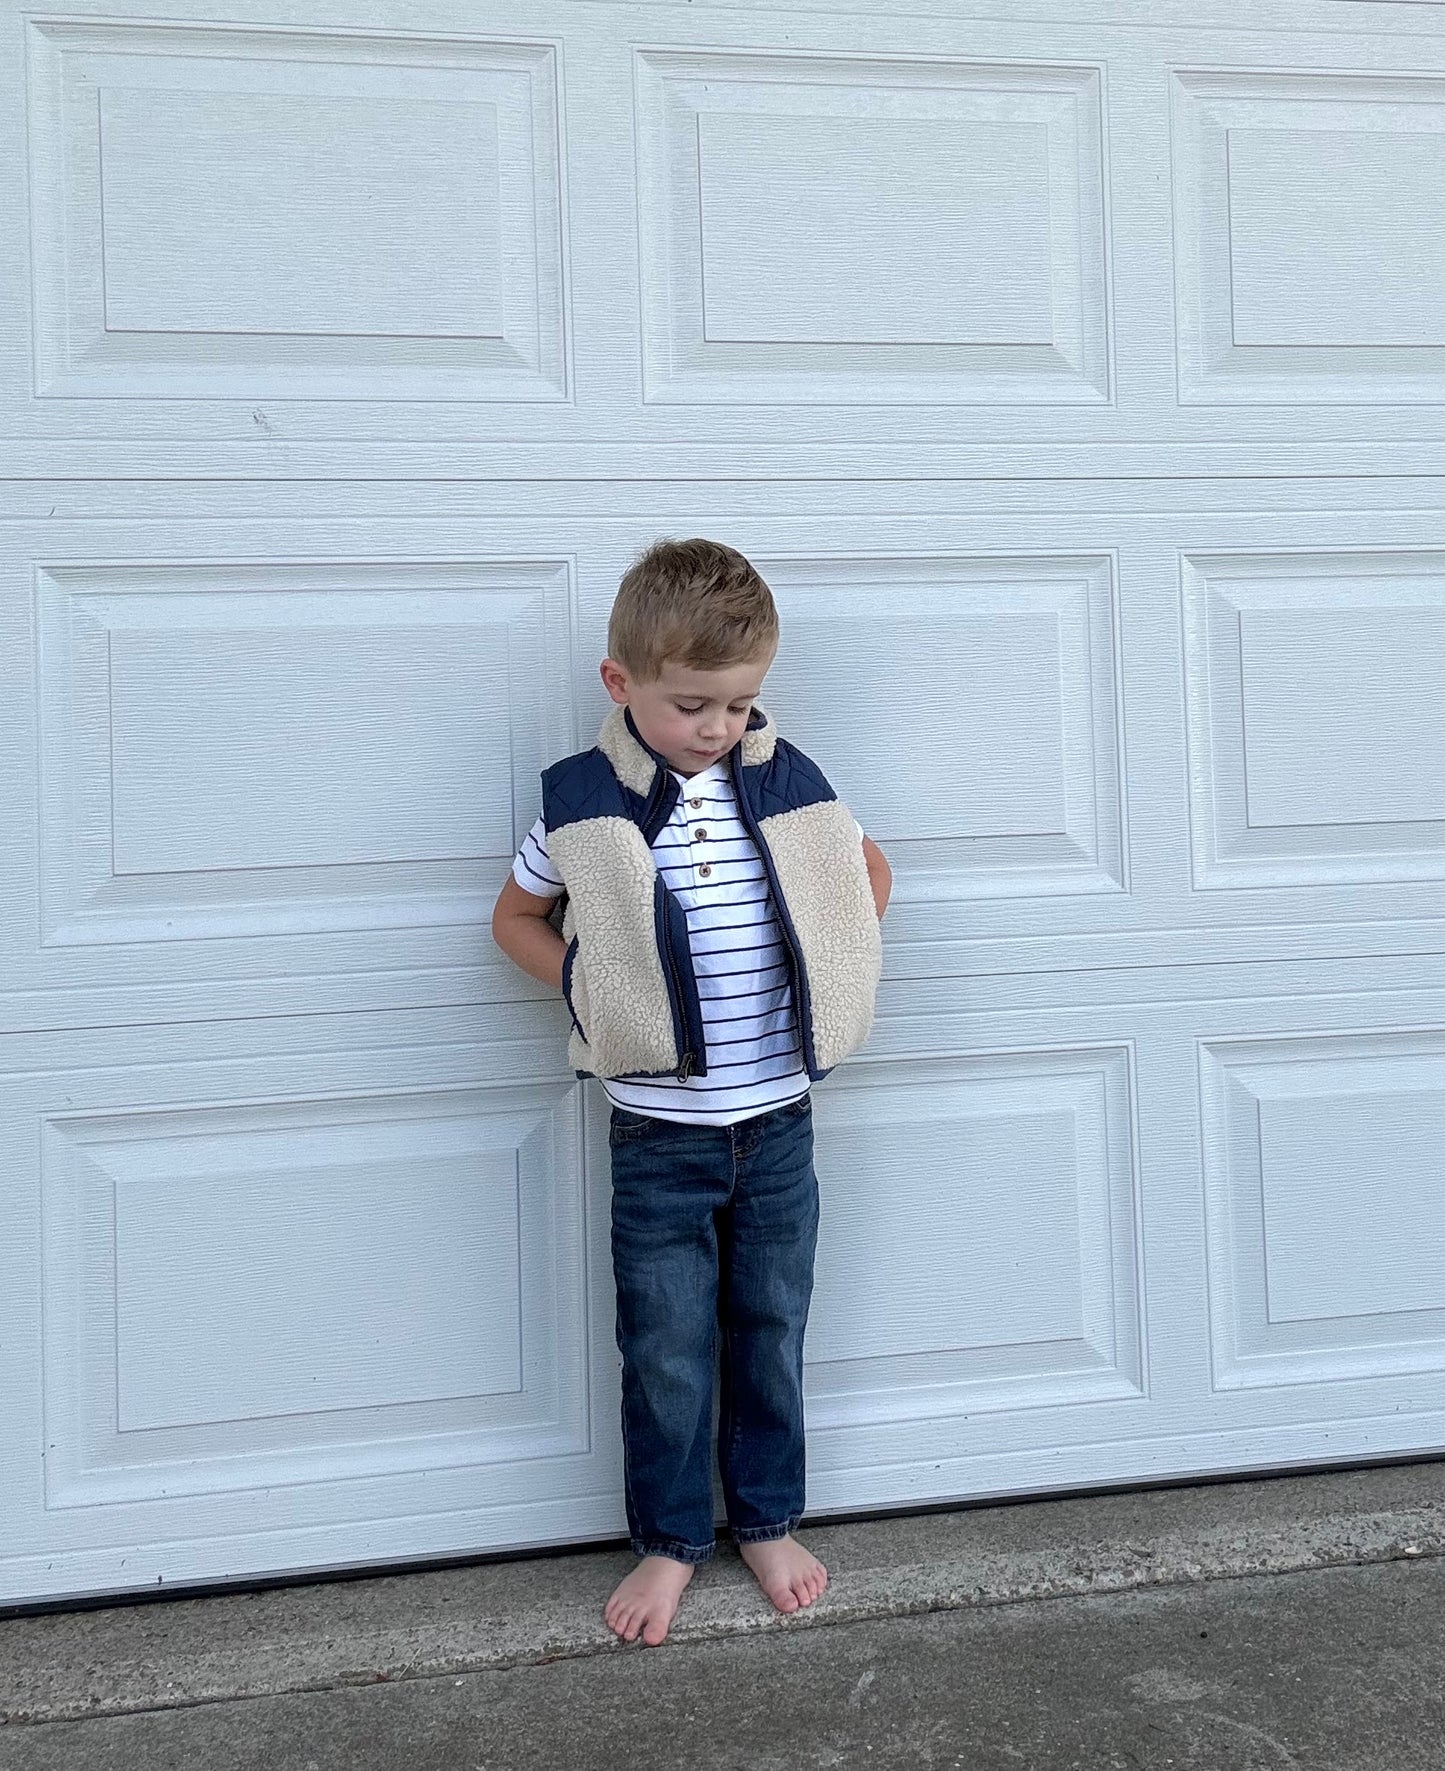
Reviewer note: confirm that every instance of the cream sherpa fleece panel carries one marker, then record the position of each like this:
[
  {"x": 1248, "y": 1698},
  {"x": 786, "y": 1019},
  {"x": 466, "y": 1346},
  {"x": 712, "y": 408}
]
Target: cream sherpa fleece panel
[
  {"x": 820, "y": 866},
  {"x": 631, "y": 764},
  {"x": 618, "y": 990},
  {"x": 634, "y": 768},
  {"x": 758, "y": 746}
]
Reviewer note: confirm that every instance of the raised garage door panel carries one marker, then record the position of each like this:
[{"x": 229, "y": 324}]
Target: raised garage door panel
[
  {"x": 727, "y": 226},
  {"x": 1071, "y": 378}
]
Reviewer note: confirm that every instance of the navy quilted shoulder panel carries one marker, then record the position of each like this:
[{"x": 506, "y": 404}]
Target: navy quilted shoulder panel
[
  {"x": 584, "y": 786},
  {"x": 786, "y": 782}
]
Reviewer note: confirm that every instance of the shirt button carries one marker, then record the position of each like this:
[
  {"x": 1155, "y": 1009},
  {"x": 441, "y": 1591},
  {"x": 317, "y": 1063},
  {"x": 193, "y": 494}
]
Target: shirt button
[
  {"x": 705, "y": 870},
  {"x": 695, "y": 803},
  {"x": 701, "y": 835}
]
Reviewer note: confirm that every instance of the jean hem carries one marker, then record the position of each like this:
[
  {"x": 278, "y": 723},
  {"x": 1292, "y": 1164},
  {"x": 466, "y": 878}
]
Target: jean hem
[
  {"x": 675, "y": 1552},
  {"x": 765, "y": 1533}
]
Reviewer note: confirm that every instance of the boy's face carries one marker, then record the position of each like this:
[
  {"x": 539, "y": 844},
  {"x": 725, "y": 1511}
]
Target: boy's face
[{"x": 691, "y": 717}]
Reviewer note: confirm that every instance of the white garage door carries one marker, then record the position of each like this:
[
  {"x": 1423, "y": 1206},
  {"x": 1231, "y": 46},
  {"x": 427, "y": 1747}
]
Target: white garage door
[{"x": 1074, "y": 375}]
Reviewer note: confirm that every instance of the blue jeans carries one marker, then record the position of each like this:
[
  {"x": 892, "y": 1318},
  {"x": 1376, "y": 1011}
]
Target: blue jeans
[{"x": 713, "y": 1233}]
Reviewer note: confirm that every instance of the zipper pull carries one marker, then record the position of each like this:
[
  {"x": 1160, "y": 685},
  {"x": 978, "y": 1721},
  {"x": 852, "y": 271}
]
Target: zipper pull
[{"x": 684, "y": 1069}]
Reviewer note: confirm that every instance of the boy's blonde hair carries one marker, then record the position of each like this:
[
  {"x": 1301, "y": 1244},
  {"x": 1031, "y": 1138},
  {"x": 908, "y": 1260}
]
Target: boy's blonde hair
[{"x": 696, "y": 603}]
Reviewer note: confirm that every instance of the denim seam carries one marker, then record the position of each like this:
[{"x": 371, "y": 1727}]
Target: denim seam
[
  {"x": 765, "y": 1533},
  {"x": 675, "y": 1552},
  {"x": 734, "y": 1413},
  {"x": 735, "y": 1426},
  {"x": 626, "y": 1453}
]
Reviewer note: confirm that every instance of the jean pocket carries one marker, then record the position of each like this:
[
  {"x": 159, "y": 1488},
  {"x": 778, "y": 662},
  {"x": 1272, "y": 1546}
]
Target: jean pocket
[
  {"x": 626, "y": 1126},
  {"x": 799, "y": 1109}
]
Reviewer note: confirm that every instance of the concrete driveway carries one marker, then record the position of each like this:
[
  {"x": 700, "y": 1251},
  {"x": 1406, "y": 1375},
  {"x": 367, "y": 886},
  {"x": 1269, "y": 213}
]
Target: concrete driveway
[{"x": 1297, "y": 1622}]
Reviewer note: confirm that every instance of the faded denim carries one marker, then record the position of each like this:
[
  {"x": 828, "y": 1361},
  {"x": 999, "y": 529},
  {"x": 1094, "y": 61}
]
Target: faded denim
[{"x": 714, "y": 1228}]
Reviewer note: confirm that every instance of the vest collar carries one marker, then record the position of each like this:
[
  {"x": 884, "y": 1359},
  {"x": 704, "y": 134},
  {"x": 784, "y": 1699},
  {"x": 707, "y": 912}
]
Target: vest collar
[{"x": 635, "y": 762}]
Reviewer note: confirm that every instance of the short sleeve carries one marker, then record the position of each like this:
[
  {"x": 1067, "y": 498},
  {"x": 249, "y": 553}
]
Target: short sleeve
[
  {"x": 533, "y": 869},
  {"x": 859, "y": 828}
]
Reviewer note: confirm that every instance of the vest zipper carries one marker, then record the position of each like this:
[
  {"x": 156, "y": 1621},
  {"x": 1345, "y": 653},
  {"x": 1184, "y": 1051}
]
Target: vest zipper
[
  {"x": 802, "y": 998},
  {"x": 655, "y": 800},
  {"x": 684, "y": 1068},
  {"x": 687, "y": 1062}
]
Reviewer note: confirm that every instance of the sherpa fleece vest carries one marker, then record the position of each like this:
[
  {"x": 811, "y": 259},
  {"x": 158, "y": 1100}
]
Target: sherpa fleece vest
[{"x": 627, "y": 974}]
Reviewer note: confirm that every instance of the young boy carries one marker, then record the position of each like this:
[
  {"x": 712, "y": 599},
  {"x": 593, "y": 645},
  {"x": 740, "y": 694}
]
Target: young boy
[{"x": 719, "y": 952}]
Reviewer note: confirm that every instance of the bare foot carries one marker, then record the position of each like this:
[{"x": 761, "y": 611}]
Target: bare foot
[
  {"x": 645, "y": 1602},
  {"x": 790, "y": 1575}
]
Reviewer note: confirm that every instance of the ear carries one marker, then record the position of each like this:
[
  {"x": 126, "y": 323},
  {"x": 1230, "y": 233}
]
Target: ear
[{"x": 614, "y": 680}]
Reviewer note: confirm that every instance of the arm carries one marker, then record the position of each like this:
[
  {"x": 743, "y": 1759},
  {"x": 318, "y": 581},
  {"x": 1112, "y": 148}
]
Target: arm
[
  {"x": 520, "y": 928},
  {"x": 880, "y": 875}
]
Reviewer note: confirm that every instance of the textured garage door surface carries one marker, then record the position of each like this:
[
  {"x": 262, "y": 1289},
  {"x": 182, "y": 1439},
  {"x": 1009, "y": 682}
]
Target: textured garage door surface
[{"x": 1073, "y": 372}]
